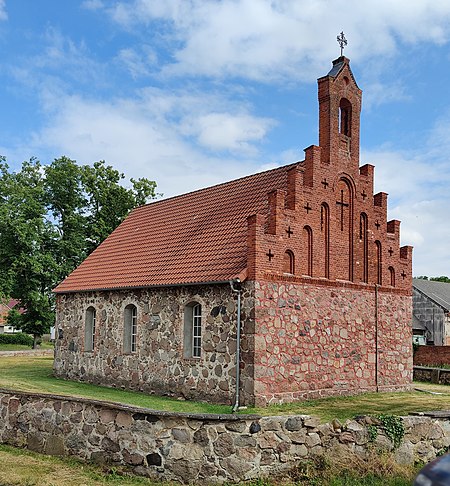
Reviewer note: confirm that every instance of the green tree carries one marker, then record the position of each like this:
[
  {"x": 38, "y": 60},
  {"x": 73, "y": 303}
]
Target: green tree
[
  {"x": 66, "y": 202},
  {"x": 51, "y": 218},
  {"x": 441, "y": 279},
  {"x": 14, "y": 319},
  {"x": 108, "y": 202},
  {"x": 27, "y": 245}
]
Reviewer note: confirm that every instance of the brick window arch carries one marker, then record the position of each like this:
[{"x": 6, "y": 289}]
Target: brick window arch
[
  {"x": 325, "y": 229},
  {"x": 289, "y": 262},
  {"x": 344, "y": 217},
  {"x": 364, "y": 240},
  {"x": 89, "y": 329},
  {"x": 308, "y": 242},
  {"x": 130, "y": 329},
  {"x": 345, "y": 117},
  {"x": 379, "y": 262},
  {"x": 392, "y": 276}
]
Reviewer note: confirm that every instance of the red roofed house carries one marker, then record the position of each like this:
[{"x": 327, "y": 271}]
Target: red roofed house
[
  {"x": 326, "y": 289},
  {"x": 5, "y": 306}
]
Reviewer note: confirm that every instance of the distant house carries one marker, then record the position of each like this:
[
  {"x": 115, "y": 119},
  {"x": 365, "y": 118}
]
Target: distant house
[
  {"x": 431, "y": 312},
  {"x": 5, "y": 306}
]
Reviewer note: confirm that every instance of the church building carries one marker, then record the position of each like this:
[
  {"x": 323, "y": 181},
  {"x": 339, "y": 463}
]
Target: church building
[{"x": 302, "y": 256}]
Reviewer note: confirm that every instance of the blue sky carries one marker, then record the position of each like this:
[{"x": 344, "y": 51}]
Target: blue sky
[{"x": 195, "y": 92}]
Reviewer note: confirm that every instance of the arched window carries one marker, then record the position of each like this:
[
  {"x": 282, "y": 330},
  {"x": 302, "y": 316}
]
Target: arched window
[
  {"x": 325, "y": 229},
  {"x": 363, "y": 238},
  {"x": 345, "y": 117},
  {"x": 89, "y": 329},
  {"x": 392, "y": 276},
  {"x": 192, "y": 330},
  {"x": 130, "y": 329},
  {"x": 308, "y": 242},
  {"x": 379, "y": 263},
  {"x": 344, "y": 247},
  {"x": 289, "y": 262}
]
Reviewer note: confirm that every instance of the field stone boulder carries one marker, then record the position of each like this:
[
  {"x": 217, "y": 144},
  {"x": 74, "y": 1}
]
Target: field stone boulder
[
  {"x": 224, "y": 446},
  {"x": 293, "y": 424}
]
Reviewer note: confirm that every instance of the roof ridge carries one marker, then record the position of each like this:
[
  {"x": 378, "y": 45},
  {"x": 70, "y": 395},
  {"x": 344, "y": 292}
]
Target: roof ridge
[{"x": 208, "y": 188}]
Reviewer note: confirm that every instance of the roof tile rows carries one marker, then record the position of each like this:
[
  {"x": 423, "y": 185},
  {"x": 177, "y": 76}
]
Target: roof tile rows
[{"x": 193, "y": 238}]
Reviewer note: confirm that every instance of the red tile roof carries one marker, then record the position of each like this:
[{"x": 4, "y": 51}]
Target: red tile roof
[{"x": 193, "y": 238}]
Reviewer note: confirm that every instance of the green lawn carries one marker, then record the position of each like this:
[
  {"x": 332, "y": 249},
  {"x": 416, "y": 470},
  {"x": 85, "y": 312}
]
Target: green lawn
[
  {"x": 22, "y": 347},
  {"x": 20, "y": 467},
  {"x": 34, "y": 373},
  {"x": 24, "y": 468},
  {"x": 30, "y": 373}
]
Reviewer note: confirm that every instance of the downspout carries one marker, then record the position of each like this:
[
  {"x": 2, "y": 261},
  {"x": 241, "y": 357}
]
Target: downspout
[
  {"x": 236, "y": 287},
  {"x": 376, "y": 337}
]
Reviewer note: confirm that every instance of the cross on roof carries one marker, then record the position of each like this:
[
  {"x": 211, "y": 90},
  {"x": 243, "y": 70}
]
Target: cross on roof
[
  {"x": 289, "y": 232},
  {"x": 342, "y": 41},
  {"x": 270, "y": 255}
]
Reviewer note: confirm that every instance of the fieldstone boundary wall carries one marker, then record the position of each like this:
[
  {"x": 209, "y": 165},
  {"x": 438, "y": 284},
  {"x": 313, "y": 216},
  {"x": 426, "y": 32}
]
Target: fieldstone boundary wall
[
  {"x": 30, "y": 352},
  {"x": 439, "y": 376},
  {"x": 432, "y": 355},
  {"x": 198, "y": 448}
]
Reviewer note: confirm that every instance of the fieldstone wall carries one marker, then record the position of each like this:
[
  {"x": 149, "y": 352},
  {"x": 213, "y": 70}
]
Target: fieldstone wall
[
  {"x": 29, "y": 352},
  {"x": 317, "y": 340},
  {"x": 158, "y": 365},
  {"x": 198, "y": 448},
  {"x": 439, "y": 376},
  {"x": 299, "y": 341}
]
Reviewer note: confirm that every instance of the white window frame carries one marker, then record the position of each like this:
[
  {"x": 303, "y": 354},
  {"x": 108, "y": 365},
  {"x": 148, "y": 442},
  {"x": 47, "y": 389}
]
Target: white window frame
[
  {"x": 192, "y": 337},
  {"x": 130, "y": 330},
  {"x": 197, "y": 331},
  {"x": 89, "y": 329}
]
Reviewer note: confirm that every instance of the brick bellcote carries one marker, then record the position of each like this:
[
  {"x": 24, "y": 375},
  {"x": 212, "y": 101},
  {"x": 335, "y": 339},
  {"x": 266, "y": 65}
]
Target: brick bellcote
[{"x": 339, "y": 116}]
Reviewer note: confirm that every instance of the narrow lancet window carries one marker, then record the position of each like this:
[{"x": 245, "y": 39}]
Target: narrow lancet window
[
  {"x": 308, "y": 242},
  {"x": 289, "y": 262},
  {"x": 325, "y": 229}
]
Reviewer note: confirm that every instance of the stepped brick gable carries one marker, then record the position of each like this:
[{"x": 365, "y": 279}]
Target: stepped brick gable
[{"x": 326, "y": 287}]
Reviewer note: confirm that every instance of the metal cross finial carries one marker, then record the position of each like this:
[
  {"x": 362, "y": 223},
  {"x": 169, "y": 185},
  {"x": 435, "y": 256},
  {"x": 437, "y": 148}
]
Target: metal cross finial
[{"x": 342, "y": 41}]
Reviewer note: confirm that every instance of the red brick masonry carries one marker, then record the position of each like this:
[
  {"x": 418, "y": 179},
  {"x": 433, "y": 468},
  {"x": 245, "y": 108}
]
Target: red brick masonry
[{"x": 432, "y": 355}]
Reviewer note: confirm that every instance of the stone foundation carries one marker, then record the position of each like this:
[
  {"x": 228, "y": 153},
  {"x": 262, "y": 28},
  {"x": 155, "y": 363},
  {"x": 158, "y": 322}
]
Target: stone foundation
[
  {"x": 299, "y": 340},
  {"x": 198, "y": 448},
  {"x": 158, "y": 365}
]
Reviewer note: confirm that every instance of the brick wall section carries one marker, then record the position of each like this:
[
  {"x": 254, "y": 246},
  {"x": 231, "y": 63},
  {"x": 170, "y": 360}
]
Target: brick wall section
[
  {"x": 330, "y": 176},
  {"x": 432, "y": 355},
  {"x": 158, "y": 365},
  {"x": 193, "y": 448},
  {"x": 313, "y": 340}
]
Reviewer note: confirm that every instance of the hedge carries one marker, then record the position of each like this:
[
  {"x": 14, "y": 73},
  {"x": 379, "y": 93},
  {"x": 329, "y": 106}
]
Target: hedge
[{"x": 19, "y": 338}]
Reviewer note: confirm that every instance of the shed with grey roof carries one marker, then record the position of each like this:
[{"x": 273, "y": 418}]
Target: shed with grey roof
[{"x": 431, "y": 311}]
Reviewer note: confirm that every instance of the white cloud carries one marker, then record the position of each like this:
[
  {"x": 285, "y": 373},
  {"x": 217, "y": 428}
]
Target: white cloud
[
  {"x": 418, "y": 184},
  {"x": 377, "y": 93},
  {"x": 225, "y": 131},
  {"x": 138, "y": 64},
  {"x": 3, "y": 12},
  {"x": 92, "y": 4},
  {"x": 146, "y": 137},
  {"x": 270, "y": 39}
]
